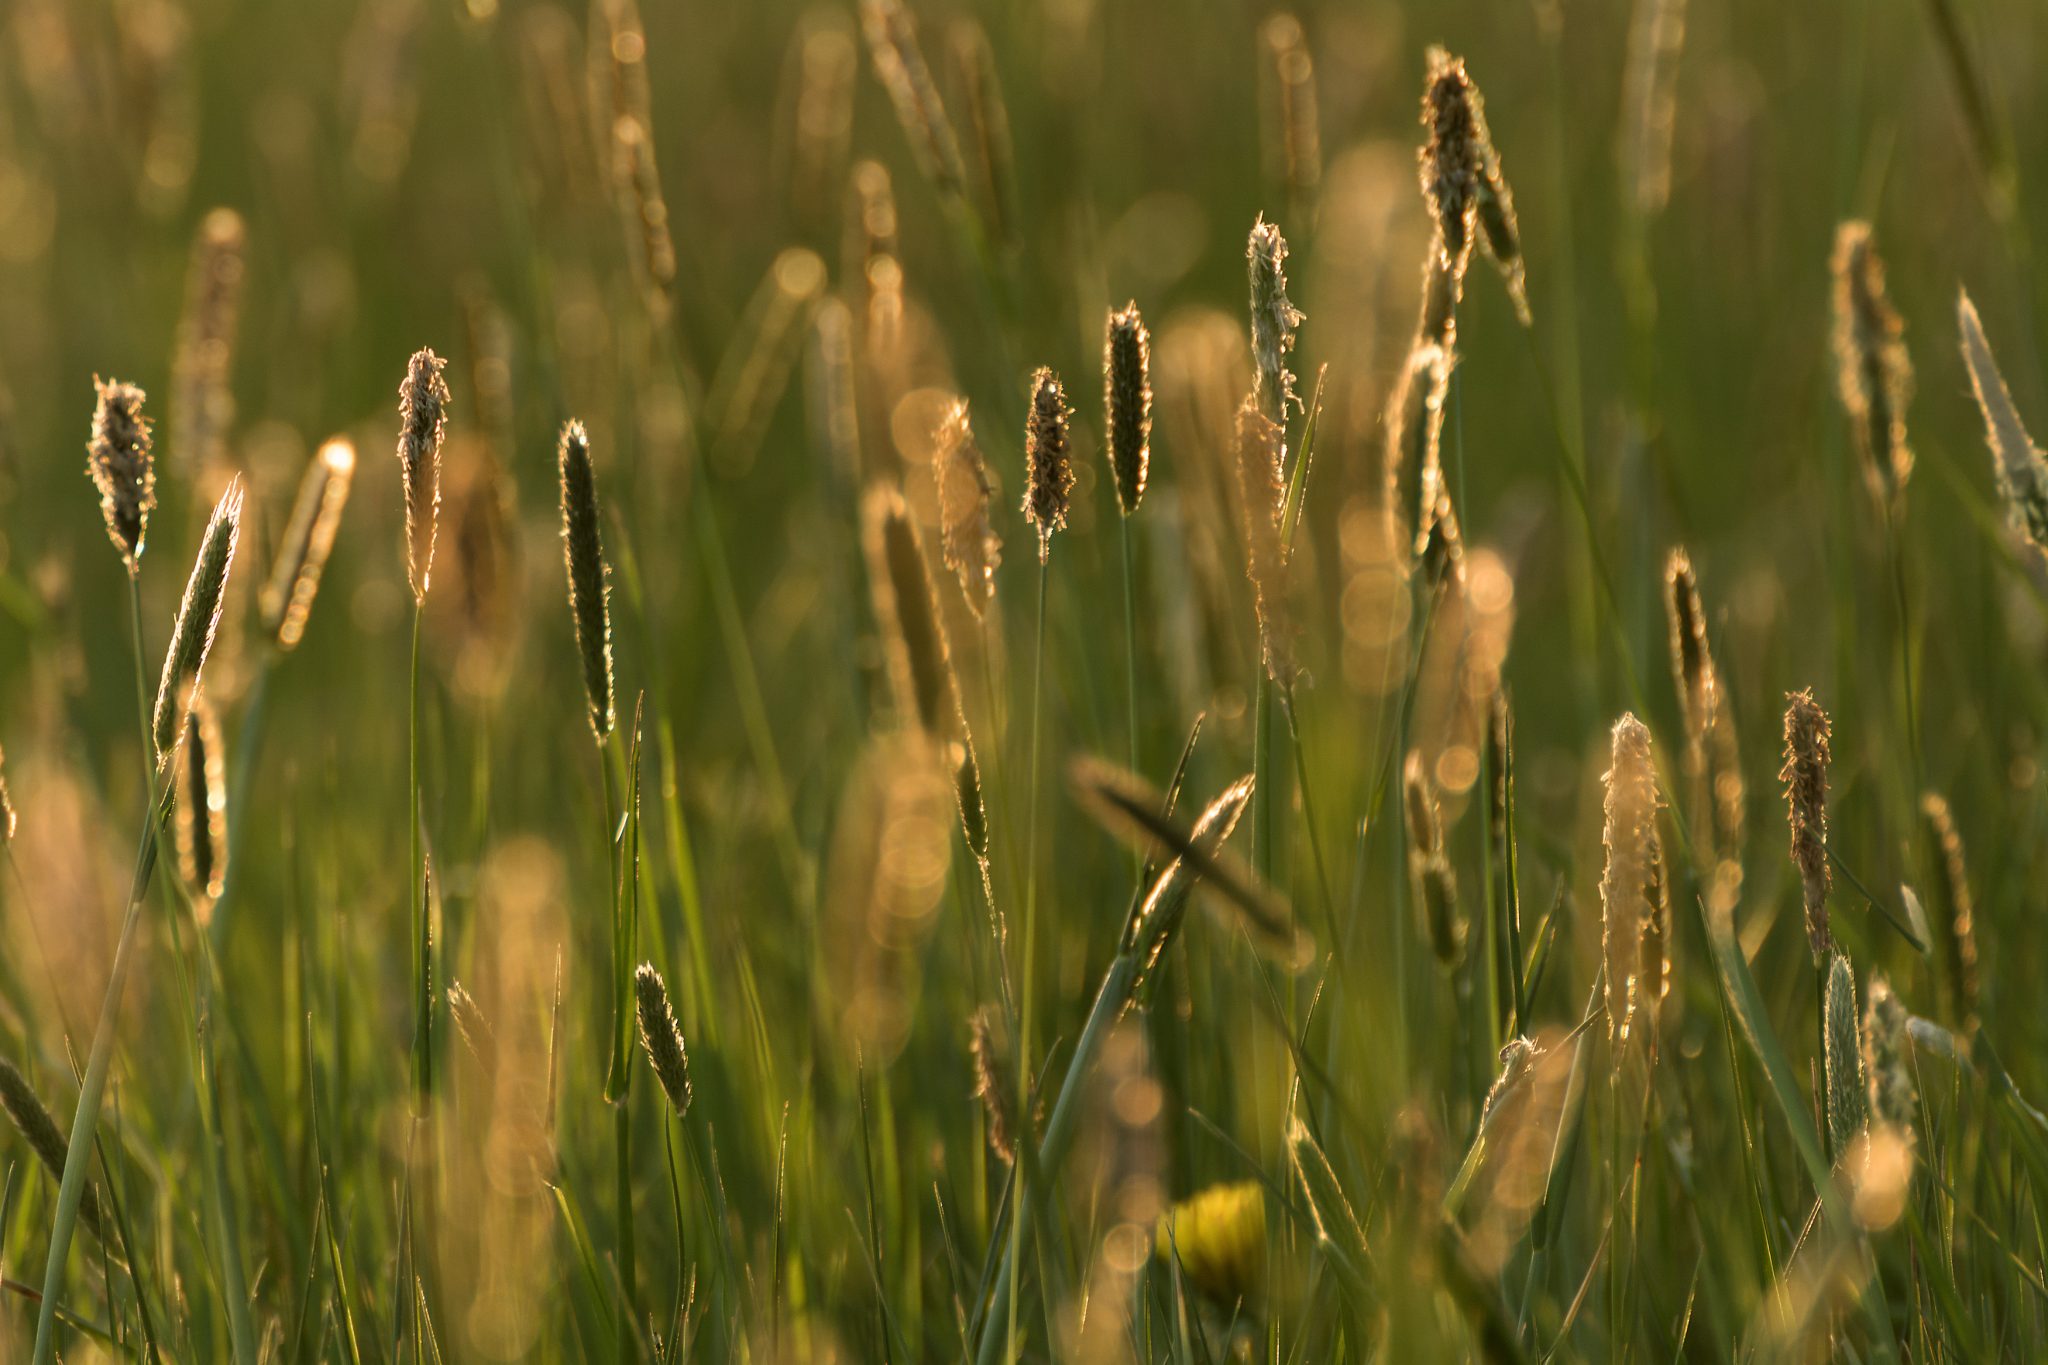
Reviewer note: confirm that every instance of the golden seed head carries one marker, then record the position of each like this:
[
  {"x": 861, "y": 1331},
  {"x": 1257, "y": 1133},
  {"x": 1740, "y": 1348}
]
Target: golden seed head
[
  {"x": 38, "y": 1128},
  {"x": 1952, "y": 882},
  {"x": 1692, "y": 663},
  {"x": 287, "y": 599},
  {"x": 422, "y": 422},
  {"x": 1262, "y": 493},
  {"x": 1631, "y": 885},
  {"x": 119, "y": 460},
  {"x": 1127, "y": 399},
  {"x": 202, "y": 401},
  {"x": 1805, "y": 776},
  {"x": 1874, "y": 373},
  {"x": 1274, "y": 319},
  {"x": 967, "y": 541},
  {"x": 901, "y": 67},
  {"x": 202, "y": 807},
  {"x": 1048, "y": 463},
  {"x": 994, "y": 1084}
]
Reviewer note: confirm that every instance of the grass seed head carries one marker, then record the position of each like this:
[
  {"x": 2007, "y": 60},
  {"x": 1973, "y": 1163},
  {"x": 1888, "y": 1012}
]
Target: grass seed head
[
  {"x": 906, "y": 609},
  {"x": 1262, "y": 494},
  {"x": 661, "y": 1038},
  {"x": 1631, "y": 884},
  {"x": 1874, "y": 374},
  {"x": 589, "y": 575},
  {"x": 202, "y": 808},
  {"x": 967, "y": 542},
  {"x": 1952, "y": 880},
  {"x": 202, "y": 401},
  {"x": 1805, "y": 775},
  {"x": 287, "y": 599},
  {"x": 1893, "y": 1099},
  {"x": 995, "y": 1084},
  {"x": 1295, "y": 146},
  {"x": 1127, "y": 383},
  {"x": 2016, "y": 462},
  {"x": 422, "y": 422},
  {"x": 1692, "y": 661},
  {"x": 1429, "y": 866},
  {"x": 1848, "y": 1096},
  {"x": 198, "y": 620},
  {"x": 39, "y": 1129},
  {"x": 1274, "y": 319},
  {"x": 1048, "y": 462},
  {"x": 901, "y": 67},
  {"x": 1468, "y": 196},
  {"x": 119, "y": 459}
]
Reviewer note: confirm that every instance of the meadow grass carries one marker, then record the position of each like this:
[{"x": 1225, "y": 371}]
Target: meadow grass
[{"x": 1339, "y": 912}]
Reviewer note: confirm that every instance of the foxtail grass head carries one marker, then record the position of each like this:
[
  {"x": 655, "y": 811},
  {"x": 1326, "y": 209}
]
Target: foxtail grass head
[
  {"x": 1274, "y": 319},
  {"x": 1894, "y": 1100},
  {"x": 589, "y": 574},
  {"x": 967, "y": 542},
  {"x": 1874, "y": 374},
  {"x": 1848, "y": 1097},
  {"x": 1805, "y": 775},
  {"x": 1429, "y": 866},
  {"x": 1692, "y": 663},
  {"x": 1632, "y": 895},
  {"x": 1262, "y": 495},
  {"x": 914, "y": 638},
  {"x": 287, "y": 600},
  {"x": 38, "y": 1128},
  {"x": 202, "y": 808},
  {"x": 1952, "y": 884},
  {"x": 202, "y": 400},
  {"x": 422, "y": 422},
  {"x": 2016, "y": 462},
  {"x": 122, "y": 467},
  {"x": 900, "y": 65},
  {"x": 199, "y": 614},
  {"x": 995, "y": 1084},
  {"x": 1468, "y": 195},
  {"x": 1127, "y": 384},
  {"x": 661, "y": 1038},
  {"x": 1048, "y": 461}
]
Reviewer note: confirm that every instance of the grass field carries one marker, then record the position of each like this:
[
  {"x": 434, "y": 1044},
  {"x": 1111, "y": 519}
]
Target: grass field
[{"x": 1033, "y": 683}]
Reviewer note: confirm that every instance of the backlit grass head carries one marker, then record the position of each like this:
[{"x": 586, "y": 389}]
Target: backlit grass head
[
  {"x": 422, "y": 422},
  {"x": 1048, "y": 460},
  {"x": 1873, "y": 372},
  {"x": 287, "y": 600},
  {"x": 1274, "y": 319},
  {"x": 1127, "y": 381},
  {"x": 589, "y": 574},
  {"x": 198, "y": 620},
  {"x": 1805, "y": 775},
  {"x": 122, "y": 467}
]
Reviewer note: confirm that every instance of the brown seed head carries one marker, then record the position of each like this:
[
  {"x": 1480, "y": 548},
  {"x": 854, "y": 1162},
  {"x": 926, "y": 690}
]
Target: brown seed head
[
  {"x": 994, "y": 1084},
  {"x": 118, "y": 459},
  {"x": 1692, "y": 663},
  {"x": 1805, "y": 776},
  {"x": 969, "y": 545},
  {"x": 1429, "y": 867},
  {"x": 914, "y": 638},
  {"x": 661, "y": 1038},
  {"x": 202, "y": 808},
  {"x": 901, "y": 67},
  {"x": 1048, "y": 464},
  {"x": 589, "y": 575},
  {"x": 1127, "y": 384},
  {"x": 1893, "y": 1098},
  {"x": 39, "y": 1129},
  {"x": 1463, "y": 183},
  {"x": 422, "y": 422}
]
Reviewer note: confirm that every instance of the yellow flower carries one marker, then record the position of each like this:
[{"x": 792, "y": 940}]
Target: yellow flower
[{"x": 1219, "y": 1237}]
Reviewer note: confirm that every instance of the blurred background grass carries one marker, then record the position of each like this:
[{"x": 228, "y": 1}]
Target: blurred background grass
[{"x": 415, "y": 173}]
